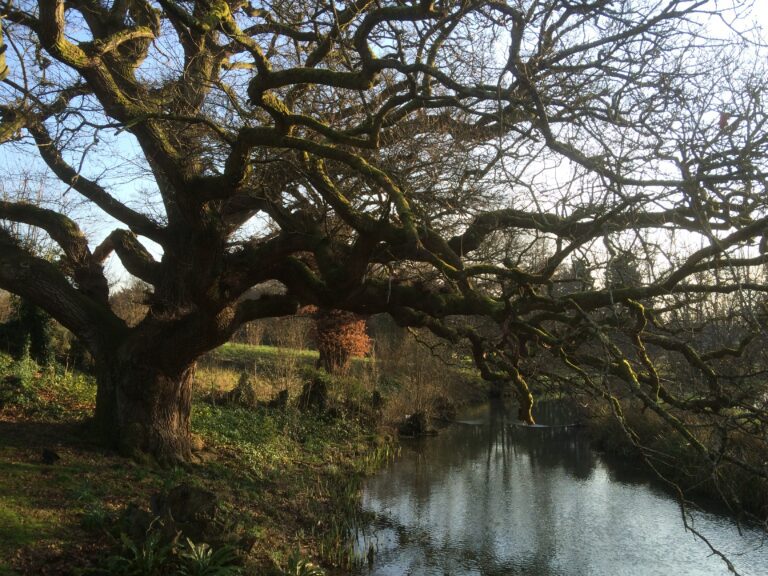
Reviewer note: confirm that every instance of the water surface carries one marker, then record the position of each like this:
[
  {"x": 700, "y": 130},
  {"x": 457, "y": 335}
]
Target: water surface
[{"x": 488, "y": 497}]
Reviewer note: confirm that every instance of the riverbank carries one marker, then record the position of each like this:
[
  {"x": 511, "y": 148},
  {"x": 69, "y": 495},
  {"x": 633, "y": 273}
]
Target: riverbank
[
  {"x": 742, "y": 494},
  {"x": 281, "y": 484}
]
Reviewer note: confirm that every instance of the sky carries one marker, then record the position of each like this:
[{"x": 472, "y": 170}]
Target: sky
[{"x": 120, "y": 170}]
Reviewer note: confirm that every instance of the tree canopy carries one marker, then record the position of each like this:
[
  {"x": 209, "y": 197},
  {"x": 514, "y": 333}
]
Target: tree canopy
[{"x": 575, "y": 189}]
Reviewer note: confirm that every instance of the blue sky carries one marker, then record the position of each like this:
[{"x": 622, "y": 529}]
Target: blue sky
[{"x": 117, "y": 163}]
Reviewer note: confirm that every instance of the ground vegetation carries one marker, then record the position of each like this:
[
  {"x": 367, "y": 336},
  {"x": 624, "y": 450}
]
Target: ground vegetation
[{"x": 272, "y": 487}]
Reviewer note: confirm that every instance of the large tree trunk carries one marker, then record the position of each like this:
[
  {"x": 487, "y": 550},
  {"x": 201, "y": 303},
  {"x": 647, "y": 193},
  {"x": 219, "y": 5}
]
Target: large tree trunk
[{"x": 144, "y": 409}]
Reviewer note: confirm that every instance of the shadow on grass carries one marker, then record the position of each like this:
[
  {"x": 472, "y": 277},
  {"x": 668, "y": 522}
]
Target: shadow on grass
[
  {"x": 41, "y": 433},
  {"x": 54, "y": 517}
]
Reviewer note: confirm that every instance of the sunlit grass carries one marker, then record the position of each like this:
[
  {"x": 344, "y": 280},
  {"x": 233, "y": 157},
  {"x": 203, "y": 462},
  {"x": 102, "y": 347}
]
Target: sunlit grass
[{"x": 243, "y": 353}]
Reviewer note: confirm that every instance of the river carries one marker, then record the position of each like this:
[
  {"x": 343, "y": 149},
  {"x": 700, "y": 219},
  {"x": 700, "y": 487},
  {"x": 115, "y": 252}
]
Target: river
[{"x": 488, "y": 497}]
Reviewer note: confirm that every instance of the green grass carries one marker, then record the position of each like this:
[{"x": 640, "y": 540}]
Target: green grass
[
  {"x": 286, "y": 480},
  {"x": 17, "y": 528},
  {"x": 260, "y": 357},
  {"x": 248, "y": 354}
]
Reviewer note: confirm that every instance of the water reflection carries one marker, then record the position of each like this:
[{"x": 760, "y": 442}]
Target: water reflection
[{"x": 489, "y": 497}]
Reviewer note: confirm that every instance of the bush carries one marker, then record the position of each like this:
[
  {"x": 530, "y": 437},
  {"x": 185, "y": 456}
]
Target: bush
[
  {"x": 340, "y": 335},
  {"x": 50, "y": 391},
  {"x": 18, "y": 386},
  {"x": 28, "y": 332}
]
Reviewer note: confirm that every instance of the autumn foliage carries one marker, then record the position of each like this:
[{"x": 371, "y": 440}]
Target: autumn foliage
[{"x": 340, "y": 335}]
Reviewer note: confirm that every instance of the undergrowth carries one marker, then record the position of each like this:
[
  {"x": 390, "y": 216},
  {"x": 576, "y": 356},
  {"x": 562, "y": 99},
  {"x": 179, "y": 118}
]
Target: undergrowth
[
  {"x": 672, "y": 457},
  {"x": 286, "y": 480},
  {"x": 52, "y": 391}
]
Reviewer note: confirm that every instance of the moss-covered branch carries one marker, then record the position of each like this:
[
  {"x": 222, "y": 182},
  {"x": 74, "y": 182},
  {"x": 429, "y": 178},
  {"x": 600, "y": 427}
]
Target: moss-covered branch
[{"x": 43, "y": 284}]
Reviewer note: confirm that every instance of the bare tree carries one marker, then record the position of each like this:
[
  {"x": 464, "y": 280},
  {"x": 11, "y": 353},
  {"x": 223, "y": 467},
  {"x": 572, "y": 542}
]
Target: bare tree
[{"x": 431, "y": 159}]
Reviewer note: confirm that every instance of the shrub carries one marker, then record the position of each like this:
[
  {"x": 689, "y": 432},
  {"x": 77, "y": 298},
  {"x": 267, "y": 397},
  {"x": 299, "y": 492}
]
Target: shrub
[
  {"x": 340, "y": 335},
  {"x": 50, "y": 391},
  {"x": 18, "y": 386},
  {"x": 28, "y": 332}
]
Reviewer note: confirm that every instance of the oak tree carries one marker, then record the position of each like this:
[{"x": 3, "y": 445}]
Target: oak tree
[{"x": 439, "y": 160}]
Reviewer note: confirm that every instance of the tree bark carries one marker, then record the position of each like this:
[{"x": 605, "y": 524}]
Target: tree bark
[{"x": 143, "y": 409}]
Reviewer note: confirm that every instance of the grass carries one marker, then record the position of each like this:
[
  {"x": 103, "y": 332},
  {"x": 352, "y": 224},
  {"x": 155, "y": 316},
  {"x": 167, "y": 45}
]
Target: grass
[
  {"x": 248, "y": 355},
  {"x": 287, "y": 482},
  {"x": 51, "y": 508},
  {"x": 17, "y": 528}
]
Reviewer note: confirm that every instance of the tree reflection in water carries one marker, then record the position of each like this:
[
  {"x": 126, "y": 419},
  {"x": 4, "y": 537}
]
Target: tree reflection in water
[{"x": 489, "y": 497}]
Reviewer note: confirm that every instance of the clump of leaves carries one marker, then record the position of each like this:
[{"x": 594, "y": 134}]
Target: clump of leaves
[
  {"x": 149, "y": 558},
  {"x": 299, "y": 566},
  {"x": 202, "y": 560},
  {"x": 158, "y": 557}
]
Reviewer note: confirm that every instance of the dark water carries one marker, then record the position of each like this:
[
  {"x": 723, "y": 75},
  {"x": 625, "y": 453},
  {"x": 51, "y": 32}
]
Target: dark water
[{"x": 491, "y": 498}]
